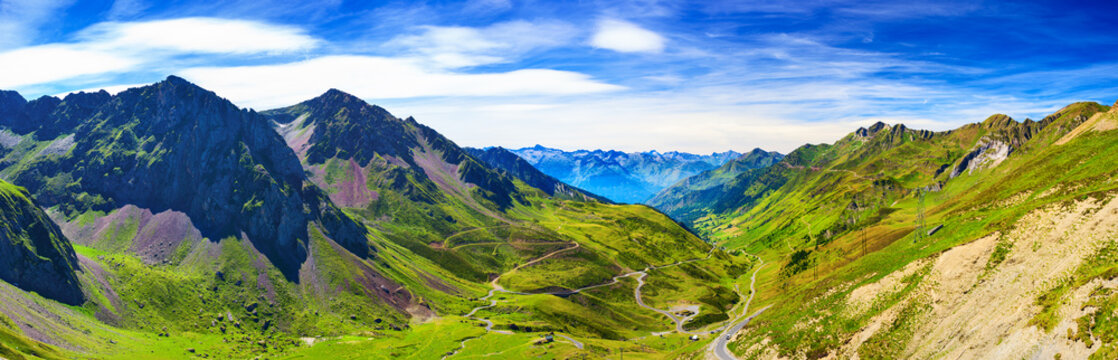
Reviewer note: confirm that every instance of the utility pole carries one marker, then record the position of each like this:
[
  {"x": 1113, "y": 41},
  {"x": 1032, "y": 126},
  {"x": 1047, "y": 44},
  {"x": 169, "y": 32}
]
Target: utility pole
[
  {"x": 863, "y": 233},
  {"x": 920, "y": 214},
  {"x": 862, "y": 228}
]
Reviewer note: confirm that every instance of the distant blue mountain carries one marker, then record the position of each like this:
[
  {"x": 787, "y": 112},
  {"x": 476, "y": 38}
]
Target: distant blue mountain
[{"x": 619, "y": 176}]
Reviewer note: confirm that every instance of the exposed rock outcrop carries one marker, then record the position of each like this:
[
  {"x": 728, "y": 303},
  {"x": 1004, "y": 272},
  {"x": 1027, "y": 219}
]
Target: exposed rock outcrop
[
  {"x": 988, "y": 153},
  {"x": 344, "y": 127},
  {"x": 176, "y": 146},
  {"x": 48, "y": 116}
]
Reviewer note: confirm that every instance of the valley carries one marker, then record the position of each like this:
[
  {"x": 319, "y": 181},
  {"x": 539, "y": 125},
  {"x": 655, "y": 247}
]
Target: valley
[
  {"x": 393, "y": 242},
  {"x": 510, "y": 179},
  {"x": 403, "y": 241},
  {"x": 635, "y": 177}
]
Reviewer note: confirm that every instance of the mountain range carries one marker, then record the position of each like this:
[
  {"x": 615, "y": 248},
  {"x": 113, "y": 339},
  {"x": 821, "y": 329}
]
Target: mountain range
[
  {"x": 619, "y": 176},
  {"x": 686, "y": 199},
  {"x": 166, "y": 222},
  {"x": 992, "y": 240}
]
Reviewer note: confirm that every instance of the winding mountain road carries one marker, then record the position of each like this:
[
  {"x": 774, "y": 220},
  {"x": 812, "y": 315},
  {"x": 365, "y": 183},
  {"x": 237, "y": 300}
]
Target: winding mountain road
[
  {"x": 578, "y": 345},
  {"x": 719, "y": 346},
  {"x": 641, "y": 275},
  {"x": 721, "y": 351},
  {"x": 492, "y": 302}
]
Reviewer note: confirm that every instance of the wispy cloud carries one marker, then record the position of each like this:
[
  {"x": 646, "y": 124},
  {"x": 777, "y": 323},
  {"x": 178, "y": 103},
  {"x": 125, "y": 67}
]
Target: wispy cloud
[
  {"x": 863, "y": 9},
  {"x": 115, "y": 47},
  {"x": 20, "y": 19},
  {"x": 626, "y": 74},
  {"x": 374, "y": 77},
  {"x": 623, "y": 36},
  {"x": 197, "y": 35},
  {"x": 48, "y": 63},
  {"x": 126, "y": 8},
  {"x": 469, "y": 46},
  {"x": 487, "y": 6}
]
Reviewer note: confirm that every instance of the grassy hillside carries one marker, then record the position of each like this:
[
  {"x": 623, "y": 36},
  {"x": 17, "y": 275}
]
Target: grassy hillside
[
  {"x": 838, "y": 221},
  {"x": 484, "y": 226},
  {"x": 35, "y": 254},
  {"x": 686, "y": 199},
  {"x": 188, "y": 223}
]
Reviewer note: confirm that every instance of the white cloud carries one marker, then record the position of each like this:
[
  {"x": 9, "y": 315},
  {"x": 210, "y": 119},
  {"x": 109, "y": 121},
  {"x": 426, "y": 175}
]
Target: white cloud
[
  {"x": 514, "y": 107},
  {"x": 126, "y": 8},
  {"x": 42, "y": 64},
  {"x": 623, "y": 36},
  {"x": 486, "y": 6},
  {"x": 117, "y": 47},
  {"x": 455, "y": 47},
  {"x": 628, "y": 123},
  {"x": 20, "y": 19},
  {"x": 380, "y": 78},
  {"x": 199, "y": 35}
]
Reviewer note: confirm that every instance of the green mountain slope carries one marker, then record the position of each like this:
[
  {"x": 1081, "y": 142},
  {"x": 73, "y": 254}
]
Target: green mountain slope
[
  {"x": 207, "y": 230},
  {"x": 685, "y": 200},
  {"x": 185, "y": 206},
  {"x": 444, "y": 205},
  {"x": 35, "y": 254},
  {"x": 176, "y": 146},
  {"x": 892, "y": 205}
]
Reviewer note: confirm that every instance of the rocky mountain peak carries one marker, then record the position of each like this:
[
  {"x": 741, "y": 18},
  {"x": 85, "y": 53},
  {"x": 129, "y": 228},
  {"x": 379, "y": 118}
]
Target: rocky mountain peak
[
  {"x": 347, "y": 127},
  {"x": 998, "y": 121},
  {"x": 10, "y": 99},
  {"x": 335, "y": 100},
  {"x": 873, "y": 129},
  {"x": 174, "y": 145},
  {"x": 899, "y": 129},
  {"x": 40, "y": 108},
  {"x": 87, "y": 100},
  {"x": 336, "y": 95}
]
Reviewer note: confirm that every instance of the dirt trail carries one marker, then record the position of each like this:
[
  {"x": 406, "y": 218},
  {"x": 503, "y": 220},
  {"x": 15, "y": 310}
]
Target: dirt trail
[
  {"x": 679, "y": 321},
  {"x": 446, "y": 241},
  {"x": 498, "y": 288}
]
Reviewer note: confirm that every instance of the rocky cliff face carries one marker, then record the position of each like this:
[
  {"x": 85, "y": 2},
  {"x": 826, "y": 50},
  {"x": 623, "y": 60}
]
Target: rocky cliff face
[
  {"x": 410, "y": 157},
  {"x": 173, "y": 145},
  {"x": 48, "y": 116},
  {"x": 34, "y": 253},
  {"x": 346, "y": 126}
]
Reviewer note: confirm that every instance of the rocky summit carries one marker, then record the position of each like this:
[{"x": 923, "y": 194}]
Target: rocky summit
[
  {"x": 212, "y": 230},
  {"x": 175, "y": 146}
]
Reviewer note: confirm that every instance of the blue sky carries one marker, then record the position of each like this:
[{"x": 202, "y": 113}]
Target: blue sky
[{"x": 627, "y": 75}]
